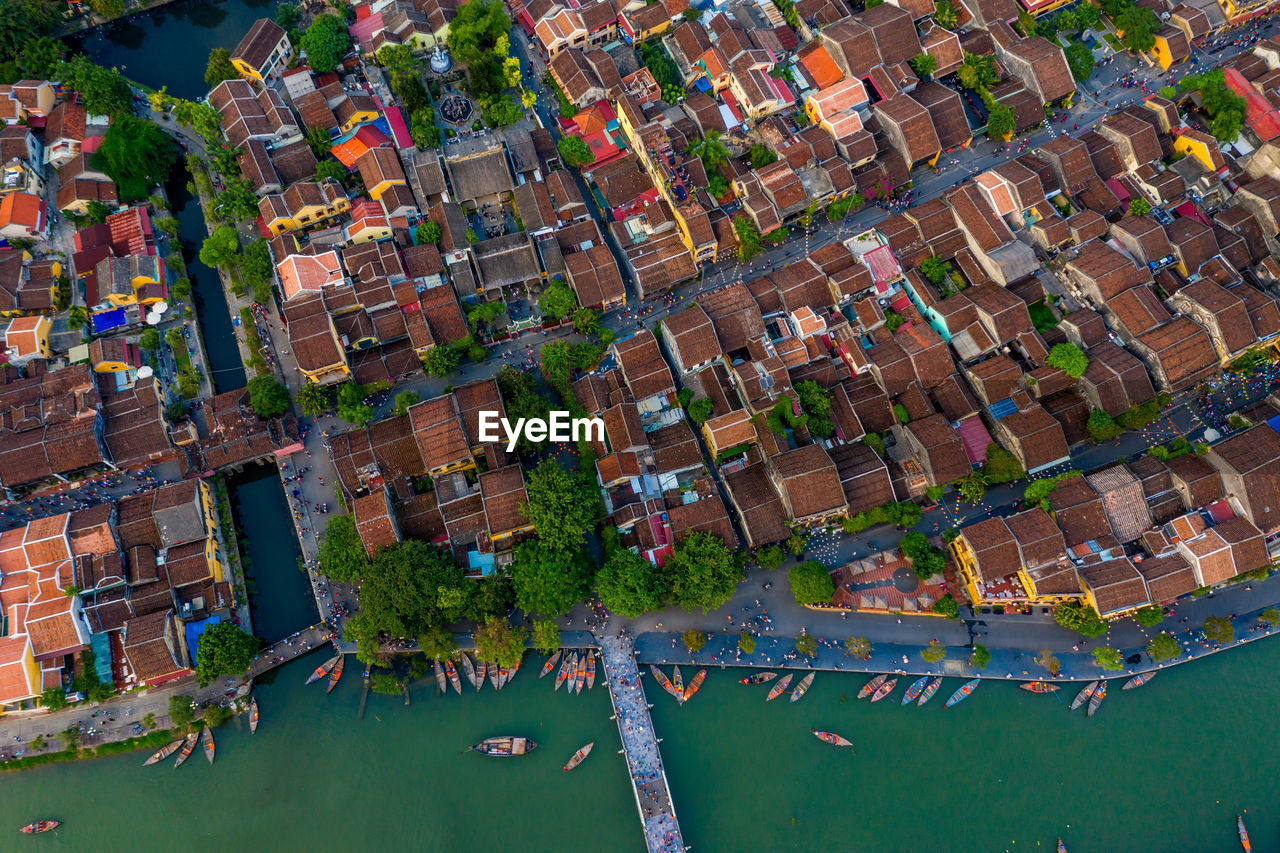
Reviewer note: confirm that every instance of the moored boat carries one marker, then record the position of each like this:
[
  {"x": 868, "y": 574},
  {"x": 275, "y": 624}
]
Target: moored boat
[
  {"x": 884, "y": 690},
  {"x": 802, "y": 688},
  {"x": 163, "y": 752},
  {"x": 777, "y": 689},
  {"x": 661, "y": 678},
  {"x": 871, "y": 686},
  {"x": 573, "y": 673},
  {"x": 40, "y": 826},
  {"x": 591, "y": 671},
  {"x": 253, "y": 715},
  {"x": 1038, "y": 686},
  {"x": 695, "y": 684},
  {"x": 579, "y": 756},
  {"x": 323, "y": 669},
  {"x": 209, "y": 746},
  {"x": 564, "y": 673},
  {"x": 511, "y": 673},
  {"x": 452, "y": 671},
  {"x": 964, "y": 691},
  {"x": 440, "y": 677},
  {"x": 1098, "y": 696},
  {"x": 914, "y": 691},
  {"x": 1062, "y": 848},
  {"x": 188, "y": 746},
  {"x": 505, "y": 746},
  {"x": 1138, "y": 680},
  {"x": 336, "y": 673},
  {"x": 929, "y": 691},
  {"x": 1084, "y": 695},
  {"x": 832, "y": 738},
  {"x": 480, "y": 674},
  {"x": 1244, "y": 834},
  {"x": 503, "y": 674},
  {"x": 550, "y": 664},
  {"x": 677, "y": 683},
  {"x": 493, "y": 675},
  {"x": 758, "y": 678},
  {"x": 468, "y": 669},
  {"x": 582, "y": 674}
]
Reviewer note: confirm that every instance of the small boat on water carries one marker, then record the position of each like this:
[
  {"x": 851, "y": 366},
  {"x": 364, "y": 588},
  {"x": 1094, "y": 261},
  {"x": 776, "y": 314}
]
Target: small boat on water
[
  {"x": 677, "y": 683},
  {"x": 480, "y": 674},
  {"x": 323, "y": 669},
  {"x": 336, "y": 673},
  {"x": 163, "y": 752},
  {"x": 1085, "y": 694},
  {"x": 1098, "y": 696},
  {"x": 778, "y": 689},
  {"x": 503, "y": 674},
  {"x": 884, "y": 690},
  {"x": 209, "y": 746},
  {"x": 1138, "y": 680},
  {"x": 591, "y": 671},
  {"x": 40, "y": 826},
  {"x": 573, "y": 673},
  {"x": 564, "y": 673},
  {"x": 914, "y": 691},
  {"x": 964, "y": 691},
  {"x": 550, "y": 664},
  {"x": 695, "y": 684},
  {"x": 871, "y": 686},
  {"x": 832, "y": 738},
  {"x": 253, "y": 715},
  {"x": 582, "y": 674},
  {"x": 493, "y": 675},
  {"x": 1062, "y": 848},
  {"x": 579, "y": 756},
  {"x": 511, "y": 674},
  {"x": 504, "y": 747},
  {"x": 929, "y": 691},
  {"x": 803, "y": 687},
  {"x": 1244, "y": 834},
  {"x": 661, "y": 678},
  {"x": 468, "y": 669},
  {"x": 452, "y": 671},
  {"x": 758, "y": 678},
  {"x": 188, "y": 746},
  {"x": 1038, "y": 686},
  {"x": 440, "y": 677}
]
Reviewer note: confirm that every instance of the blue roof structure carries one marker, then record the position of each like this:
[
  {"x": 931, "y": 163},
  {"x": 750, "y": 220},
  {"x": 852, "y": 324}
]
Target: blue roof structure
[
  {"x": 193, "y": 632},
  {"x": 105, "y": 320},
  {"x": 1001, "y": 409}
]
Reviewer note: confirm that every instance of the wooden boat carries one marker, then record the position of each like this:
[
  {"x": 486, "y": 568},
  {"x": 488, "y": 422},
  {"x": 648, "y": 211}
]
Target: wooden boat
[
  {"x": 1038, "y": 686},
  {"x": 832, "y": 738},
  {"x": 695, "y": 684},
  {"x": 163, "y": 752},
  {"x": 803, "y": 687},
  {"x": 209, "y": 746},
  {"x": 550, "y": 664},
  {"x": 758, "y": 678},
  {"x": 1244, "y": 834},
  {"x": 503, "y": 675},
  {"x": 884, "y": 690},
  {"x": 778, "y": 688},
  {"x": 1098, "y": 696},
  {"x": 440, "y": 677},
  {"x": 964, "y": 691},
  {"x": 1084, "y": 695},
  {"x": 661, "y": 678},
  {"x": 1062, "y": 848},
  {"x": 564, "y": 672},
  {"x": 188, "y": 746},
  {"x": 468, "y": 669},
  {"x": 323, "y": 669},
  {"x": 504, "y": 747},
  {"x": 452, "y": 671},
  {"x": 336, "y": 673},
  {"x": 582, "y": 674},
  {"x": 253, "y": 715},
  {"x": 871, "y": 686},
  {"x": 914, "y": 691},
  {"x": 511, "y": 674},
  {"x": 40, "y": 826},
  {"x": 929, "y": 691},
  {"x": 573, "y": 673},
  {"x": 1138, "y": 680},
  {"x": 480, "y": 674},
  {"x": 579, "y": 756},
  {"x": 677, "y": 683},
  {"x": 591, "y": 672}
]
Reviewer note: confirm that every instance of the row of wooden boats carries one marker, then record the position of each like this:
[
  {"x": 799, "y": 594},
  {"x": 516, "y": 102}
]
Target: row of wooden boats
[
  {"x": 474, "y": 671},
  {"x": 331, "y": 668},
  {"x": 185, "y": 747},
  {"x": 507, "y": 746},
  {"x": 675, "y": 684},
  {"x": 1092, "y": 694},
  {"x": 576, "y": 670}
]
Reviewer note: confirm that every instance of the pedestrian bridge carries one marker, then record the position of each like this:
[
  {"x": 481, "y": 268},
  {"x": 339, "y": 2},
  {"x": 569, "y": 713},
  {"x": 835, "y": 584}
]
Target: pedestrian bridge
[
  {"x": 286, "y": 650},
  {"x": 640, "y": 745}
]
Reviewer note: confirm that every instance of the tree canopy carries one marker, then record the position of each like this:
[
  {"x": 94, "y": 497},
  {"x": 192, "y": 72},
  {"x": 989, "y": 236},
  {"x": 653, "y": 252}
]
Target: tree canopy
[
  {"x": 1226, "y": 109},
  {"x": 1001, "y": 465},
  {"x": 546, "y": 636},
  {"x": 137, "y": 155},
  {"x": 926, "y": 560},
  {"x": 702, "y": 572},
  {"x": 341, "y": 553},
  {"x": 1068, "y": 358},
  {"x": 181, "y": 710},
  {"x": 475, "y": 31},
  {"x": 222, "y": 650},
  {"x": 1108, "y": 658},
  {"x": 326, "y": 42},
  {"x": 1218, "y": 629},
  {"x": 1163, "y": 647},
  {"x": 629, "y": 585},
  {"x": 562, "y": 506},
  {"x": 315, "y": 399},
  {"x": 498, "y": 642},
  {"x": 575, "y": 152},
  {"x": 811, "y": 583},
  {"x": 104, "y": 91},
  {"x": 1079, "y": 617},
  {"x": 219, "y": 67},
  {"x": 549, "y": 580},
  {"x": 351, "y": 405},
  {"x": 221, "y": 248},
  {"x": 267, "y": 397}
]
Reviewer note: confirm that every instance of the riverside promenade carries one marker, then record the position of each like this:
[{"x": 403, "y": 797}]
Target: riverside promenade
[{"x": 640, "y": 745}]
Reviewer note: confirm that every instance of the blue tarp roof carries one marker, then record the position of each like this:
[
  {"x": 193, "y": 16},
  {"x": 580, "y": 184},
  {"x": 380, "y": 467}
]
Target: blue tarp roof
[
  {"x": 1002, "y": 408},
  {"x": 1274, "y": 422},
  {"x": 193, "y": 632},
  {"x": 101, "y": 646},
  {"x": 108, "y": 320},
  {"x": 482, "y": 562}
]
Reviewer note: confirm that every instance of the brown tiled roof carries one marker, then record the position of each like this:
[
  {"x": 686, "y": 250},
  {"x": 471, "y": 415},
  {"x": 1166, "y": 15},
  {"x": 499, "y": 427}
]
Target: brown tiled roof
[
  {"x": 694, "y": 336},
  {"x": 994, "y": 548},
  {"x": 811, "y": 481},
  {"x": 1116, "y": 584},
  {"x": 759, "y": 506},
  {"x": 1168, "y": 577},
  {"x": 1138, "y": 309},
  {"x": 1183, "y": 350},
  {"x": 438, "y": 432},
  {"x": 643, "y": 366},
  {"x": 504, "y": 492},
  {"x": 674, "y": 447},
  {"x": 1078, "y": 511}
]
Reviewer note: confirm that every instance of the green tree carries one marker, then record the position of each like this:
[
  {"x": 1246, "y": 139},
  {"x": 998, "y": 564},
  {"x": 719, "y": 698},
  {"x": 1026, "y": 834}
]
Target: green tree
[
  {"x": 1139, "y": 207},
  {"x": 319, "y": 142},
  {"x": 219, "y": 68},
  {"x": 53, "y": 698},
  {"x": 40, "y": 56},
  {"x": 1000, "y": 121},
  {"x": 702, "y": 572},
  {"x": 796, "y": 543},
  {"x": 815, "y": 402},
  {"x": 181, "y": 710},
  {"x": 923, "y": 64},
  {"x": 1139, "y": 25},
  {"x": 329, "y": 168},
  {"x": 546, "y": 636},
  {"x": 761, "y": 155},
  {"x": 701, "y": 409},
  {"x": 893, "y": 321},
  {"x": 498, "y": 642},
  {"x": 437, "y": 643},
  {"x": 267, "y": 397},
  {"x": 980, "y": 657},
  {"x": 476, "y": 29},
  {"x": 575, "y": 152},
  {"x": 629, "y": 585},
  {"x": 1149, "y": 616},
  {"x": 1068, "y": 358},
  {"x": 806, "y": 645},
  {"x": 104, "y": 91},
  {"x": 326, "y": 42},
  {"x": 1079, "y": 60},
  {"x": 137, "y": 155},
  {"x": 557, "y": 300},
  {"x": 428, "y": 232},
  {"x": 149, "y": 721},
  {"x": 586, "y": 321},
  {"x": 315, "y": 399},
  {"x": 1270, "y": 617},
  {"x": 222, "y": 650},
  {"x": 423, "y": 128},
  {"x": 934, "y": 269},
  {"x": 748, "y": 237},
  {"x": 746, "y": 643},
  {"x": 404, "y": 400},
  {"x": 440, "y": 360},
  {"x": 972, "y": 486},
  {"x": 221, "y": 248},
  {"x": 1001, "y": 465},
  {"x": 341, "y": 553},
  {"x": 1219, "y": 630},
  {"x": 1163, "y": 647},
  {"x": 946, "y": 606},
  {"x": 562, "y": 506},
  {"x": 1108, "y": 658},
  {"x": 944, "y": 14},
  {"x": 1079, "y": 617},
  {"x": 215, "y": 715},
  {"x": 811, "y": 583},
  {"x": 694, "y": 639},
  {"x": 933, "y": 652},
  {"x": 770, "y": 556},
  {"x": 549, "y": 580},
  {"x": 926, "y": 560},
  {"x": 857, "y": 647},
  {"x": 149, "y": 339},
  {"x": 1101, "y": 426}
]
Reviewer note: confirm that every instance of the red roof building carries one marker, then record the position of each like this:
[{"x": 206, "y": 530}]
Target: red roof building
[{"x": 1260, "y": 116}]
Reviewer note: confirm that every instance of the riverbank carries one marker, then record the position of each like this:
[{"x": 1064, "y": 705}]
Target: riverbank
[{"x": 73, "y": 752}]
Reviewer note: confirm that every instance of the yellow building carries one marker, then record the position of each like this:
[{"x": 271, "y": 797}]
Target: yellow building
[
  {"x": 28, "y": 337},
  {"x": 211, "y": 528},
  {"x": 131, "y": 280},
  {"x": 380, "y": 170},
  {"x": 303, "y": 205},
  {"x": 728, "y": 431},
  {"x": 113, "y": 355},
  {"x": 1016, "y": 561},
  {"x": 263, "y": 53},
  {"x": 353, "y": 111},
  {"x": 1202, "y": 146},
  {"x": 1235, "y": 11}
]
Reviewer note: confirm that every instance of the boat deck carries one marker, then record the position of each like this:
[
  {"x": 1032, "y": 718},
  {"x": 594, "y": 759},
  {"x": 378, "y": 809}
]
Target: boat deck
[{"x": 640, "y": 743}]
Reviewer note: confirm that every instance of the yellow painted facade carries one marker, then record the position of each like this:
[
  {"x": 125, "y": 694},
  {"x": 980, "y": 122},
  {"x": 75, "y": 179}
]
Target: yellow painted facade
[
  {"x": 1194, "y": 148},
  {"x": 308, "y": 216},
  {"x": 971, "y": 575},
  {"x": 358, "y": 118},
  {"x": 1161, "y": 53},
  {"x": 375, "y": 193}
]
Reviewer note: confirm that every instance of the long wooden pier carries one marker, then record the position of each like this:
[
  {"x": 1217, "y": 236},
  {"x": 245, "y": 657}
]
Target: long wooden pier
[{"x": 640, "y": 745}]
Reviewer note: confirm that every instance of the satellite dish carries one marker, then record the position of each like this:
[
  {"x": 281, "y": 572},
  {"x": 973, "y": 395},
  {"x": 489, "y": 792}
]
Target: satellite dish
[
  {"x": 145, "y": 372},
  {"x": 152, "y": 318},
  {"x": 160, "y": 307}
]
